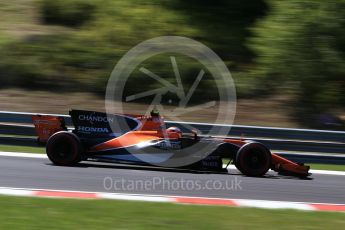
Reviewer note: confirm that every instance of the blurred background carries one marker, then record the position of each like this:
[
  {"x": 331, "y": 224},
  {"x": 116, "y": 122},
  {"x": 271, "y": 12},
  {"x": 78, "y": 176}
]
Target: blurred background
[{"x": 286, "y": 57}]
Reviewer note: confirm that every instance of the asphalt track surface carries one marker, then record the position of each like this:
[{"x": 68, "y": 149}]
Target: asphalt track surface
[{"x": 99, "y": 177}]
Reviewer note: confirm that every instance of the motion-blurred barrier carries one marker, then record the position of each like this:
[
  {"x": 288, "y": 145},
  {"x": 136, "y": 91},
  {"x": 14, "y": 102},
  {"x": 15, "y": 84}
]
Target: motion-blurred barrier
[{"x": 16, "y": 129}]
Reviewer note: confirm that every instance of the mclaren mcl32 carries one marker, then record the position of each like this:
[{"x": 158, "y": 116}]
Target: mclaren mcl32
[{"x": 145, "y": 140}]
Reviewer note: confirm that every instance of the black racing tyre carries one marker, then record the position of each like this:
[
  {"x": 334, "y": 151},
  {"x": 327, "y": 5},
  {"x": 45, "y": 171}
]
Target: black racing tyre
[
  {"x": 64, "y": 148},
  {"x": 237, "y": 165},
  {"x": 253, "y": 159}
]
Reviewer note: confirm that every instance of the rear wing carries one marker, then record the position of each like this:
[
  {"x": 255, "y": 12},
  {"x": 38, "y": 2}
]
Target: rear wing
[
  {"x": 47, "y": 125},
  {"x": 91, "y": 124},
  {"x": 86, "y": 124}
]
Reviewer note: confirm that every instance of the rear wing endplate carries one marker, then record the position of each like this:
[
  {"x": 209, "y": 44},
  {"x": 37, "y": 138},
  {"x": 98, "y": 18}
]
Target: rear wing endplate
[{"x": 47, "y": 125}]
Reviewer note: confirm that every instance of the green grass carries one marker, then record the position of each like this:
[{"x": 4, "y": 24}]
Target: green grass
[
  {"x": 327, "y": 167},
  {"x": 24, "y": 149},
  {"x": 40, "y": 213}
]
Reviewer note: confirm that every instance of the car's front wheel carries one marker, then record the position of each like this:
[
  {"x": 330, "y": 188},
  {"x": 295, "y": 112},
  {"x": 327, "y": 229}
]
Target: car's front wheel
[
  {"x": 64, "y": 148},
  {"x": 253, "y": 159}
]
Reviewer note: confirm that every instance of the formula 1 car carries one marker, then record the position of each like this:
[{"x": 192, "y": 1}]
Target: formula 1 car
[{"x": 144, "y": 140}]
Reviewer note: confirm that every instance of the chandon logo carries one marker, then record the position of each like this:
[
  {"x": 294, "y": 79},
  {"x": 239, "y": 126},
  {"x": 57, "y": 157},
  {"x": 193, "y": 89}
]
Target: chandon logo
[
  {"x": 95, "y": 118},
  {"x": 92, "y": 129}
]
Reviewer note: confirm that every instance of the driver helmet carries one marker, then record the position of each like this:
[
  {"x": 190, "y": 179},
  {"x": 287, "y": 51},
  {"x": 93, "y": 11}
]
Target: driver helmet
[{"x": 174, "y": 132}]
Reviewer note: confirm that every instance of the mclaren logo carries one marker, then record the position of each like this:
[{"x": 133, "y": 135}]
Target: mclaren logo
[
  {"x": 169, "y": 145},
  {"x": 85, "y": 129}
]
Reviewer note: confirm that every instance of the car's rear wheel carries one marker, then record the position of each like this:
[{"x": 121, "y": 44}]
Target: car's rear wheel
[
  {"x": 253, "y": 159},
  {"x": 64, "y": 148}
]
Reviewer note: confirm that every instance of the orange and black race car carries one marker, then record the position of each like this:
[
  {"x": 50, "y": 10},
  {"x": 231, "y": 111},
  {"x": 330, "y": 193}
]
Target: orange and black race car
[{"x": 145, "y": 140}]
